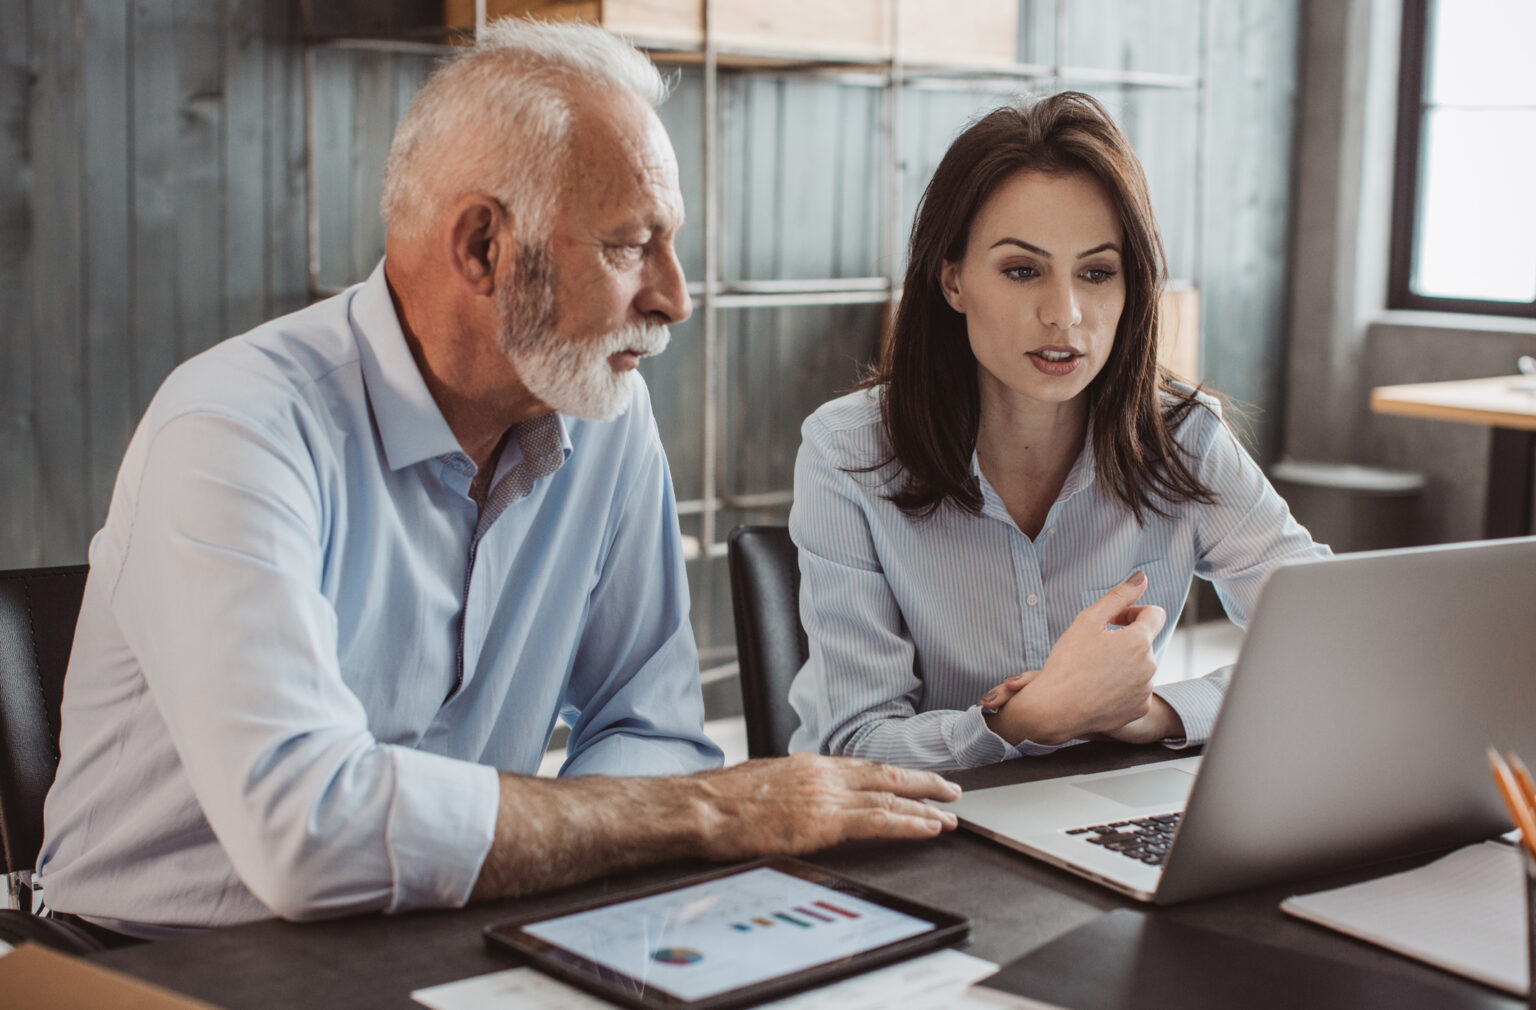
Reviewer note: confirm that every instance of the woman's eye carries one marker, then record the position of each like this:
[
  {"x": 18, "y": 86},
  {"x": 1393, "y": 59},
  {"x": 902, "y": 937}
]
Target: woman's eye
[
  {"x": 1097, "y": 275},
  {"x": 1019, "y": 273}
]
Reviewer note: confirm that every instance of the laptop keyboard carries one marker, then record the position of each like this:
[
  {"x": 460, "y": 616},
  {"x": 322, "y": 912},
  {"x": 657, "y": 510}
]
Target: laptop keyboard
[{"x": 1146, "y": 839}]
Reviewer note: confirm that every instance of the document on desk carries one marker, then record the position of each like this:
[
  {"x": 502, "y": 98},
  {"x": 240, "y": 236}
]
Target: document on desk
[
  {"x": 930, "y": 982},
  {"x": 1464, "y": 912}
]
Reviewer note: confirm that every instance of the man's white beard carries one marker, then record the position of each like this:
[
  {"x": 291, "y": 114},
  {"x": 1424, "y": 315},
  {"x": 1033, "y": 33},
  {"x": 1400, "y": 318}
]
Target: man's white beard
[{"x": 571, "y": 375}]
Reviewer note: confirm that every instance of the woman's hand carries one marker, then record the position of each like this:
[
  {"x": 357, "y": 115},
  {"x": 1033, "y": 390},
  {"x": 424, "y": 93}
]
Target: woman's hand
[
  {"x": 1096, "y": 679},
  {"x": 1160, "y": 723}
]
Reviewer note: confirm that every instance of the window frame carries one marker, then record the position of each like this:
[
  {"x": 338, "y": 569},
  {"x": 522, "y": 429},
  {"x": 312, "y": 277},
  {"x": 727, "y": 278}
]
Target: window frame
[{"x": 1408, "y": 176}]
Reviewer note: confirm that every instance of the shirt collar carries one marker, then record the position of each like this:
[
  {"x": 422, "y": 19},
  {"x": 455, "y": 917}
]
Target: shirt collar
[
  {"x": 410, "y": 424},
  {"x": 1079, "y": 477},
  {"x": 1083, "y": 469}
]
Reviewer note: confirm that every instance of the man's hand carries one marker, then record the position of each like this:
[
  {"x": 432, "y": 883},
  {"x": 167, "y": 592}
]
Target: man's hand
[
  {"x": 807, "y": 802},
  {"x": 1096, "y": 679},
  {"x": 551, "y": 833}
]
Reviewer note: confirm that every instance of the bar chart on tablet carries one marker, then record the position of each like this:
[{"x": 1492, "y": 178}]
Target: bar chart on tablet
[{"x": 727, "y": 933}]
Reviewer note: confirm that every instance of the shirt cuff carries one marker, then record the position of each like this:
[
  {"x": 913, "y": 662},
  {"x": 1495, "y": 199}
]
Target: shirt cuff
[
  {"x": 441, "y": 822},
  {"x": 972, "y": 741},
  {"x": 1029, "y": 748},
  {"x": 1197, "y": 702}
]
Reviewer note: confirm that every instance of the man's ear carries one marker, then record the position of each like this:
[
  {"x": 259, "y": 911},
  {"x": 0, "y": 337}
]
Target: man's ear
[
  {"x": 477, "y": 241},
  {"x": 949, "y": 283}
]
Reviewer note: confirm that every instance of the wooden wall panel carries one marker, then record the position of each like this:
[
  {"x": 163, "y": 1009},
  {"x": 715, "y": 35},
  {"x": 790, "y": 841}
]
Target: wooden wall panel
[
  {"x": 334, "y": 99},
  {"x": 112, "y": 401},
  {"x": 248, "y": 118},
  {"x": 58, "y": 375},
  {"x": 18, "y": 450},
  {"x": 860, "y": 149},
  {"x": 1248, "y": 207},
  {"x": 286, "y": 284},
  {"x": 374, "y": 114},
  {"x": 150, "y": 185},
  {"x": 153, "y": 246},
  {"x": 198, "y": 175}
]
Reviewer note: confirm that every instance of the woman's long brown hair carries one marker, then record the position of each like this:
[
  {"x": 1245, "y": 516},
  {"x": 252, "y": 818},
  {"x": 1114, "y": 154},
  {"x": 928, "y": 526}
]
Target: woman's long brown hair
[{"x": 930, "y": 403}]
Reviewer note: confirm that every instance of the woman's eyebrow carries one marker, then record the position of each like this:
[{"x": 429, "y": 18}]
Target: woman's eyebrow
[
  {"x": 1021, "y": 244},
  {"x": 1036, "y": 249}
]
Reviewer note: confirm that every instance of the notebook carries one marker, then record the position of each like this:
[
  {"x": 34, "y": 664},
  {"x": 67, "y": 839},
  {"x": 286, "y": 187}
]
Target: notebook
[
  {"x": 1464, "y": 912},
  {"x": 1138, "y": 959},
  {"x": 1354, "y": 729}
]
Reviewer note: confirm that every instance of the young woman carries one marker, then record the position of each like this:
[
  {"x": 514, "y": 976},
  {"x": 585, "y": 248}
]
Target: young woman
[{"x": 995, "y": 529}]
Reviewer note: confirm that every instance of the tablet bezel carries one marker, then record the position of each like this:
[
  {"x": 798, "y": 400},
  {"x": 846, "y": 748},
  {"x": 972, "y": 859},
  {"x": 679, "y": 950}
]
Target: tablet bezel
[{"x": 947, "y": 928}]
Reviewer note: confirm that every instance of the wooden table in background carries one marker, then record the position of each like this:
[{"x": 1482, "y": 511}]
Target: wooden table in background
[{"x": 1505, "y": 403}]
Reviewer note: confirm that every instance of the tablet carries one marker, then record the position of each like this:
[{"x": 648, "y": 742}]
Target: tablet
[{"x": 729, "y": 938}]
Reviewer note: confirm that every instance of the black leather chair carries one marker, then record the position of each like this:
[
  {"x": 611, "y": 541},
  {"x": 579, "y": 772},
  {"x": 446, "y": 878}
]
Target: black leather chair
[
  {"x": 38, "y": 608},
  {"x": 770, "y": 643}
]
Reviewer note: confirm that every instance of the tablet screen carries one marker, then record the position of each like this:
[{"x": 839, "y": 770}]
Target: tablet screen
[{"x": 726, "y": 933}]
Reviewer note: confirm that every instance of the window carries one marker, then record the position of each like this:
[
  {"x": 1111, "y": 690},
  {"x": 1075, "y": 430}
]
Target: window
[{"x": 1464, "y": 212}]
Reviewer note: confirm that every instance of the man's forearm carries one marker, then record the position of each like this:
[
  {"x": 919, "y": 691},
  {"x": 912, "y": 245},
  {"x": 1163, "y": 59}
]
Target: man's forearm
[{"x": 554, "y": 832}]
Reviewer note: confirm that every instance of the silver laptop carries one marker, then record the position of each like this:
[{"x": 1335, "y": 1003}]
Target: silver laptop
[{"x": 1366, "y": 691}]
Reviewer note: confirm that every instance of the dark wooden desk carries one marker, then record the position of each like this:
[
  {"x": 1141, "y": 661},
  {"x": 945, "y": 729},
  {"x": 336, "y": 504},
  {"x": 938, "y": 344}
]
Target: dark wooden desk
[{"x": 1015, "y": 904}]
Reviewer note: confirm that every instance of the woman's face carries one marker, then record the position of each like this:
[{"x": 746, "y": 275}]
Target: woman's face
[{"x": 1041, "y": 287}]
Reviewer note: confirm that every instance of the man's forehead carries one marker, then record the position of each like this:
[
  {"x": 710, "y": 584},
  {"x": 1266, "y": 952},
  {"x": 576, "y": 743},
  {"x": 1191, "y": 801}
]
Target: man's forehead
[{"x": 621, "y": 159}]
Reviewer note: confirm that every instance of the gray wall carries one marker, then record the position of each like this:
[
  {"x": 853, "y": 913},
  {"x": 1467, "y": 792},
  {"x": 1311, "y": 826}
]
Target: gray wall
[
  {"x": 151, "y": 183},
  {"x": 150, "y": 205},
  {"x": 1343, "y": 341}
]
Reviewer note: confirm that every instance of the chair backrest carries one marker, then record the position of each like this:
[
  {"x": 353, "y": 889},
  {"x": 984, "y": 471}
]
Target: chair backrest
[
  {"x": 38, "y": 608},
  {"x": 770, "y": 643}
]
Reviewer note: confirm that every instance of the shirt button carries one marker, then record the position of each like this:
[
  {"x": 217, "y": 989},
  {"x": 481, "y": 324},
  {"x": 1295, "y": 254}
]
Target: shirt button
[{"x": 1032, "y": 599}]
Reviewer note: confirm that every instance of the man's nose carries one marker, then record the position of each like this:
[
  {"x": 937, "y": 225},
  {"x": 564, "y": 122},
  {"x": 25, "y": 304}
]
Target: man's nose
[{"x": 665, "y": 299}]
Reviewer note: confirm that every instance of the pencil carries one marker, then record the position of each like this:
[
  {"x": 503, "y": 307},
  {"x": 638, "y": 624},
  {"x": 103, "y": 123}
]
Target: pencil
[
  {"x": 1520, "y": 809},
  {"x": 1522, "y": 776}
]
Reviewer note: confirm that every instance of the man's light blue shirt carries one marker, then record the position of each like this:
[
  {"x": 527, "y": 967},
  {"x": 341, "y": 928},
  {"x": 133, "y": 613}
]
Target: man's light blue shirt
[{"x": 304, "y": 652}]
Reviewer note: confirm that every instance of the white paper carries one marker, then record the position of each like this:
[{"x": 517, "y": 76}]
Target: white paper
[
  {"x": 1464, "y": 913},
  {"x": 930, "y": 982},
  {"x": 935, "y": 981},
  {"x": 515, "y": 987}
]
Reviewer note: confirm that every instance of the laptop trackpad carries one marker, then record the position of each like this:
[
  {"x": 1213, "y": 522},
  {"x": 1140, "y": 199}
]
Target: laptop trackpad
[{"x": 1153, "y": 787}]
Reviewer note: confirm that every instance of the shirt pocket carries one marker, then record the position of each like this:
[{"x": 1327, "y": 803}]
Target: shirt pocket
[{"x": 1167, "y": 585}]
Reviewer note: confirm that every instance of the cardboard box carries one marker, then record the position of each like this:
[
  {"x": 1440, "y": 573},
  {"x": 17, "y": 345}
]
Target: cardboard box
[
  {"x": 1179, "y": 350},
  {"x": 37, "y": 978},
  {"x": 975, "y": 32}
]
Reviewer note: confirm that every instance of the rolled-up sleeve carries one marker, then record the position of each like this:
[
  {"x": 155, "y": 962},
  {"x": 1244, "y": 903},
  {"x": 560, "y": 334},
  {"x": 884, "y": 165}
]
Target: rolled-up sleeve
[
  {"x": 859, "y": 691},
  {"x": 218, "y": 598}
]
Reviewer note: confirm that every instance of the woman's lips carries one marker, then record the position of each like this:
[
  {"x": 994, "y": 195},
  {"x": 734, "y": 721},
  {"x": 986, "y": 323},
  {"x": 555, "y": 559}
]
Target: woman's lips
[{"x": 1054, "y": 368}]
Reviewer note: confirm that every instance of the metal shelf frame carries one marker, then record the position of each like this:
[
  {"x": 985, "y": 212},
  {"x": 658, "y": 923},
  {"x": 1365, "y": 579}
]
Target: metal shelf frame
[{"x": 711, "y": 293}]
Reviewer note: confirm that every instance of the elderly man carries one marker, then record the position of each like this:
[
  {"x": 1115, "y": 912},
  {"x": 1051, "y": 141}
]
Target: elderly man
[{"x": 358, "y": 560}]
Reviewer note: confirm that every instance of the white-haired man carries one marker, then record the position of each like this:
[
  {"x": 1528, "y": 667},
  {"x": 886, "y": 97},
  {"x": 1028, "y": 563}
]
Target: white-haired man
[{"x": 359, "y": 559}]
